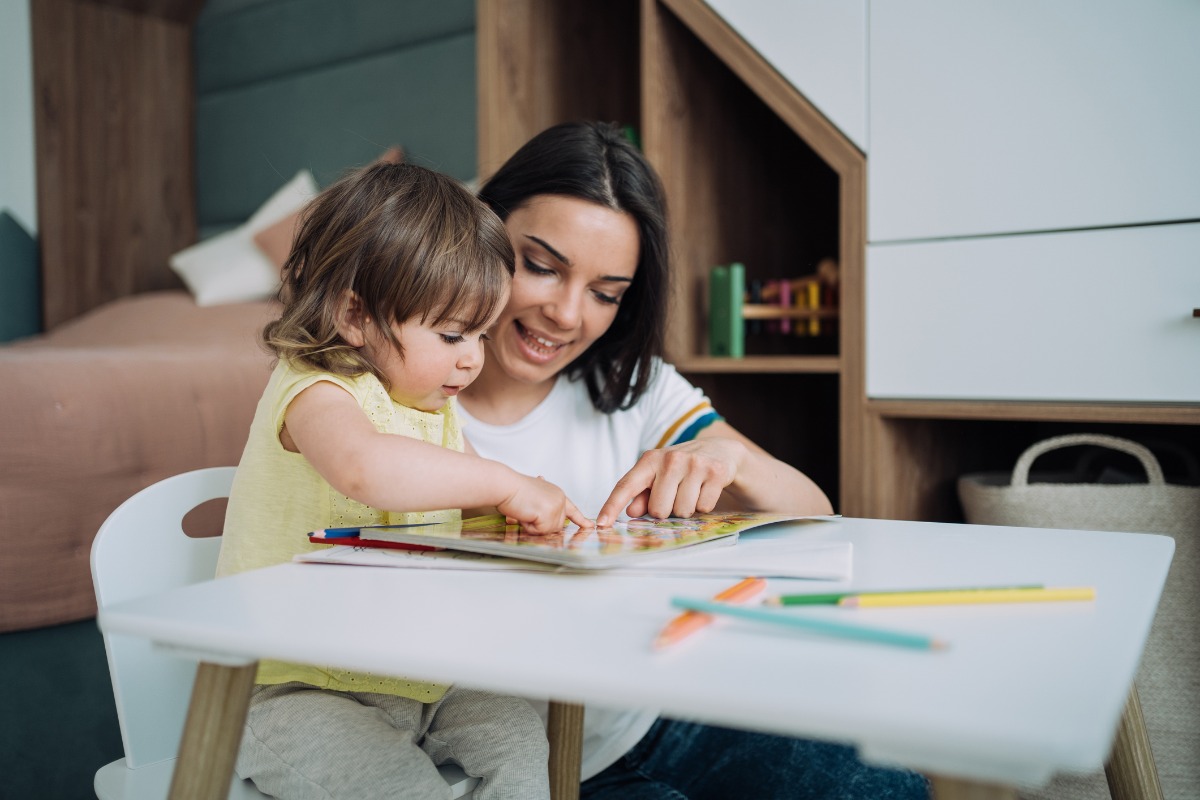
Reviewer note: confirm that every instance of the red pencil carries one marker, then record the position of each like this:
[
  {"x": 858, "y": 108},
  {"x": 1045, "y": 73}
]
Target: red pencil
[{"x": 689, "y": 622}]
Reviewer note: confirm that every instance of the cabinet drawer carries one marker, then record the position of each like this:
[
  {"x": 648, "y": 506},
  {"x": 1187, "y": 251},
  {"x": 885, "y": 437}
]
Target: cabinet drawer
[
  {"x": 1102, "y": 315},
  {"x": 1002, "y": 117}
]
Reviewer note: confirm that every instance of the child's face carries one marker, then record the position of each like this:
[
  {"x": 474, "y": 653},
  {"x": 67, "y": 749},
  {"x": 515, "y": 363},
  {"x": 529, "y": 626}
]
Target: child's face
[{"x": 439, "y": 361}]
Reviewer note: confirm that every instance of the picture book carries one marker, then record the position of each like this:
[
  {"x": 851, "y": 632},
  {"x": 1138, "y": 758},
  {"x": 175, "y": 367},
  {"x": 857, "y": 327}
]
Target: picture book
[{"x": 625, "y": 543}]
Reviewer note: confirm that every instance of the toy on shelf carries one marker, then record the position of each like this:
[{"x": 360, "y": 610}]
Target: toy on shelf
[
  {"x": 806, "y": 300},
  {"x": 793, "y": 307}
]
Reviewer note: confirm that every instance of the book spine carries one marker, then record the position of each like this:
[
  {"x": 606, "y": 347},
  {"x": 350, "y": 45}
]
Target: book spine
[{"x": 726, "y": 285}]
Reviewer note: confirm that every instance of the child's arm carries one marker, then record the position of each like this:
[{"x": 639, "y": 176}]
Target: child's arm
[
  {"x": 397, "y": 473},
  {"x": 482, "y": 510}
]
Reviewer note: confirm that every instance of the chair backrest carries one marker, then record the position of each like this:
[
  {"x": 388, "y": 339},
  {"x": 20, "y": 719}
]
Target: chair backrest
[{"x": 142, "y": 549}]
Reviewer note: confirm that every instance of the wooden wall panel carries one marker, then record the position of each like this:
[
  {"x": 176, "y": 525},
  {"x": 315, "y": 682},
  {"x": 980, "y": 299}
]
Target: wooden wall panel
[
  {"x": 542, "y": 62},
  {"x": 113, "y": 113}
]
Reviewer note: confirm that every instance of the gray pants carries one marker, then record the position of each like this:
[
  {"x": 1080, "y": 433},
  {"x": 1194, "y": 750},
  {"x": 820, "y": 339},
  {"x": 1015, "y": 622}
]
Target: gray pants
[{"x": 301, "y": 742}]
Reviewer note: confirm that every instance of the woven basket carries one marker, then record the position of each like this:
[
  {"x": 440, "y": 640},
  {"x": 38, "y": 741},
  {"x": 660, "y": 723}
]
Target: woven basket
[{"x": 1169, "y": 679}]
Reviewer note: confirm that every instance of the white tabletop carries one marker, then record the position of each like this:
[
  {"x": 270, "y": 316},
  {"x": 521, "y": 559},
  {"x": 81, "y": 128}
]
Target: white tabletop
[{"x": 1022, "y": 692}]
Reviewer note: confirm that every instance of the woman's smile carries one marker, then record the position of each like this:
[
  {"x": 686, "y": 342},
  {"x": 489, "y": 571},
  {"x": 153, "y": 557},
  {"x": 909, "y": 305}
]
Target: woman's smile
[{"x": 540, "y": 347}]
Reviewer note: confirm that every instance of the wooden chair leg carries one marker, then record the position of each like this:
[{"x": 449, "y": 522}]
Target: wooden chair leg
[
  {"x": 959, "y": 789},
  {"x": 1130, "y": 770},
  {"x": 565, "y": 731},
  {"x": 213, "y": 732}
]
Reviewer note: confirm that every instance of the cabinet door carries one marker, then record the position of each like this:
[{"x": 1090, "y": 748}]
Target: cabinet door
[
  {"x": 1102, "y": 315},
  {"x": 995, "y": 117}
]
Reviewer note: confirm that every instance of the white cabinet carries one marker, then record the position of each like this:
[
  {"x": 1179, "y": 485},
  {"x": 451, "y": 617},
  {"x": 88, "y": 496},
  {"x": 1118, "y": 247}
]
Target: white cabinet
[
  {"x": 1102, "y": 315},
  {"x": 998, "y": 117},
  {"x": 820, "y": 46}
]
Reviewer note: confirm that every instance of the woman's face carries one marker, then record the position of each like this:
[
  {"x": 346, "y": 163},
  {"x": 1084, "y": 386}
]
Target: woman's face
[{"x": 574, "y": 261}]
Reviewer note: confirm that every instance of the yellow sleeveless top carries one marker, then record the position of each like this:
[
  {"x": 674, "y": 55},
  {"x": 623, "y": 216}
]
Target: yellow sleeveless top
[{"x": 277, "y": 498}]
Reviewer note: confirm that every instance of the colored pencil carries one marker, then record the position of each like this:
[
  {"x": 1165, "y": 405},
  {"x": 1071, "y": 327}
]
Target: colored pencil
[
  {"x": 970, "y": 597},
  {"x": 824, "y": 626},
  {"x": 689, "y": 622},
  {"x": 834, "y": 598}
]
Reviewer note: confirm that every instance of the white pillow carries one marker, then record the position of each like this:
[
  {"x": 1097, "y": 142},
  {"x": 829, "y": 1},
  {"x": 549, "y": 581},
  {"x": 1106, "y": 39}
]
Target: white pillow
[{"x": 230, "y": 268}]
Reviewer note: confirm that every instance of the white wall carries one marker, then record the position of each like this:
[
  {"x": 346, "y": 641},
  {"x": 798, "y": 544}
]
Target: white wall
[{"x": 18, "y": 191}]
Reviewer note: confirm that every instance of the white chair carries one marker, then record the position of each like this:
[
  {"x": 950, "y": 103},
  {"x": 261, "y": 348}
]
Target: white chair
[{"x": 141, "y": 549}]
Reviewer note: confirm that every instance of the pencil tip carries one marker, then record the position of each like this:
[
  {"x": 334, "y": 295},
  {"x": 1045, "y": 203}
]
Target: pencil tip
[
  {"x": 771, "y": 601},
  {"x": 938, "y": 644}
]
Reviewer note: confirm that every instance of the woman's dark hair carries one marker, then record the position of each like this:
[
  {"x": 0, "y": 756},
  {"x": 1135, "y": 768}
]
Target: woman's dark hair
[
  {"x": 410, "y": 242},
  {"x": 594, "y": 161}
]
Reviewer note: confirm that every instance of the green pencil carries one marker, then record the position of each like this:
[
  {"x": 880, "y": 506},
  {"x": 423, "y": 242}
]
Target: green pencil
[
  {"x": 828, "y": 627},
  {"x": 833, "y": 598}
]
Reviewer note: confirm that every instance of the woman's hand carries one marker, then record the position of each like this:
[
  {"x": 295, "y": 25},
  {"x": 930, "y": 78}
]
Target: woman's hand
[
  {"x": 676, "y": 481},
  {"x": 720, "y": 468},
  {"x": 539, "y": 506}
]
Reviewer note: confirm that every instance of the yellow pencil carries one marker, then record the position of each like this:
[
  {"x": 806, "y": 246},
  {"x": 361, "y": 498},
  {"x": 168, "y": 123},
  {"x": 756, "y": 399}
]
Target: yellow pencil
[{"x": 896, "y": 599}]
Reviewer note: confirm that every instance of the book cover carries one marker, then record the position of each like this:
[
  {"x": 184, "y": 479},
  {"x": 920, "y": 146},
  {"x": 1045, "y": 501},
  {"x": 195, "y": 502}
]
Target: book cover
[{"x": 726, "y": 336}]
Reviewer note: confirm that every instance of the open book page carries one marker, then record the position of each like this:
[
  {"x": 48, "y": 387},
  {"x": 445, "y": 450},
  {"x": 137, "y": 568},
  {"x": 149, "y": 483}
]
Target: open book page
[
  {"x": 624, "y": 543},
  {"x": 799, "y": 549}
]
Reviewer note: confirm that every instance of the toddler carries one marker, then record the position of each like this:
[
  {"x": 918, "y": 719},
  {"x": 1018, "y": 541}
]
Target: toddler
[{"x": 396, "y": 274}]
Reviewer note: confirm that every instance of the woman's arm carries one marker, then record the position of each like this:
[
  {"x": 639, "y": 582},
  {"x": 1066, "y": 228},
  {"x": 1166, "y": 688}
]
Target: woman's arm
[
  {"x": 720, "y": 468},
  {"x": 397, "y": 473}
]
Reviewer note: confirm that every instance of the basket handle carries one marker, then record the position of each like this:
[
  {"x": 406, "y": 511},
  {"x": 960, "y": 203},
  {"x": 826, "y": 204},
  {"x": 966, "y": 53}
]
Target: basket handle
[{"x": 1020, "y": 476}]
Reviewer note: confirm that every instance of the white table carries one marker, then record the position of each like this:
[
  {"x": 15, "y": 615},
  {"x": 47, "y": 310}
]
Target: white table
[{"x": 1024, "y": 691}]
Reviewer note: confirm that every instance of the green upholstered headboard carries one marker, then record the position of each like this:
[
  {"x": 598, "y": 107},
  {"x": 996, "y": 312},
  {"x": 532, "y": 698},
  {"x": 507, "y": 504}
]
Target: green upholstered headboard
[
  {"x": 283, "y": 85},
  {"x": 20, "y": 312}
]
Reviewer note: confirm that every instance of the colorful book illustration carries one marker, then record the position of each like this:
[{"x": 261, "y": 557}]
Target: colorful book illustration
[{"x": 625, "y": 543}]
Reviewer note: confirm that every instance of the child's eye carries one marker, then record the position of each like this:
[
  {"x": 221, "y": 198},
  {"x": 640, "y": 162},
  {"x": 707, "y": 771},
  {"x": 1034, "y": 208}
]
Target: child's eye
[{"x": 452, "y": 338}]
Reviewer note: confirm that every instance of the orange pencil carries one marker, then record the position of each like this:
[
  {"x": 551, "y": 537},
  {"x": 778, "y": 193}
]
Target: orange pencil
[{"x": 689, "y": 622}]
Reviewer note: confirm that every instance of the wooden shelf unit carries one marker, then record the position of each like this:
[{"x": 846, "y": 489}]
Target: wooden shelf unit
[
  {"x": 752, "y": 171},
  {"x": 918, "y": 448}
]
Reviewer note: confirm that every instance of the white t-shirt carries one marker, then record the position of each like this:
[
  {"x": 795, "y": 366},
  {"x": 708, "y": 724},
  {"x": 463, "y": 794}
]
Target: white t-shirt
[{"x": 585, "y": 452}]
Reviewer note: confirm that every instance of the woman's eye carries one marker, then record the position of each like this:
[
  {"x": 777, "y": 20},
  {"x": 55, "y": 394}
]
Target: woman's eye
[
  {"x": 452, "y": 338},
  {"x": 607, "y": 299},
  {"x": 536, "y": 269}
]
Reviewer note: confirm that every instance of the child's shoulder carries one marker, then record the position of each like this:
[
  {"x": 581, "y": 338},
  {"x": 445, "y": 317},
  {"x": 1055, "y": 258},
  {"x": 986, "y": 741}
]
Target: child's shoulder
[{"x": 290, "y": 378}]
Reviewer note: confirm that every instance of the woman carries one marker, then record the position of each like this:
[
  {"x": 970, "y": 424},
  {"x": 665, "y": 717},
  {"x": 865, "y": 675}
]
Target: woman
[{"x": 573, "y": 388}]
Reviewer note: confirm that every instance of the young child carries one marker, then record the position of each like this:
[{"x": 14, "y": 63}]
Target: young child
[{"x": 396, "y": 274}]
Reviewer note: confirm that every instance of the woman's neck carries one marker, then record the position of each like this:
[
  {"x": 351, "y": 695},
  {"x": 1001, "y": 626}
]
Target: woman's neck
[{"x": 497, "y": 399}]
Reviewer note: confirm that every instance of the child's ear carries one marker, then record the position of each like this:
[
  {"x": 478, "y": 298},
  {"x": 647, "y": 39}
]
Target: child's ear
[{"x": 352, "y": 319}]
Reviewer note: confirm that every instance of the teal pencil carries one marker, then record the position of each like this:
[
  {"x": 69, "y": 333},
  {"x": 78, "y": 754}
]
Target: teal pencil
[
  {"x": 833, "y": 598},
  {"x": 828, "y": 627}
]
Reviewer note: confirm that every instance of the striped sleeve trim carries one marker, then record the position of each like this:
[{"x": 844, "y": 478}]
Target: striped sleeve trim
[{"x": 690, "y": 424}]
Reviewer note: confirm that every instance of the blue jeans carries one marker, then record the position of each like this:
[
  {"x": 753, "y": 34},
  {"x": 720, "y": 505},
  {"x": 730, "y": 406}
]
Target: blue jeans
[{"x": 689, "y": 761}]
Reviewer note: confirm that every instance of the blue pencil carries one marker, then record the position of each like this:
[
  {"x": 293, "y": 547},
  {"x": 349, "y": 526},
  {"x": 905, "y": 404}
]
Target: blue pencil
[{"x": 790, "y": 619}]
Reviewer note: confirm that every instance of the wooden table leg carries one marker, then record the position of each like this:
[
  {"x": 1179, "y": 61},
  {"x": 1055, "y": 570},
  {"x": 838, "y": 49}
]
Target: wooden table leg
[
  {"x": 213, "y": 732},
  {"x": 565, "y": 730},
  {"x": 959, "y": 789},
  {"x": 1131, "y": 772}
]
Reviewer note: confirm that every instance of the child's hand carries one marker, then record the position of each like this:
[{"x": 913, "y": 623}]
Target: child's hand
[{"x": 539, "y": 506}]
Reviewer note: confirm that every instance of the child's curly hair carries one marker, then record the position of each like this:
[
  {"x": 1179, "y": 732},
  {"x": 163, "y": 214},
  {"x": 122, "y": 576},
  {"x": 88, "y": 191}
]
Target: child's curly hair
[{"x": 410, "y": 242}]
